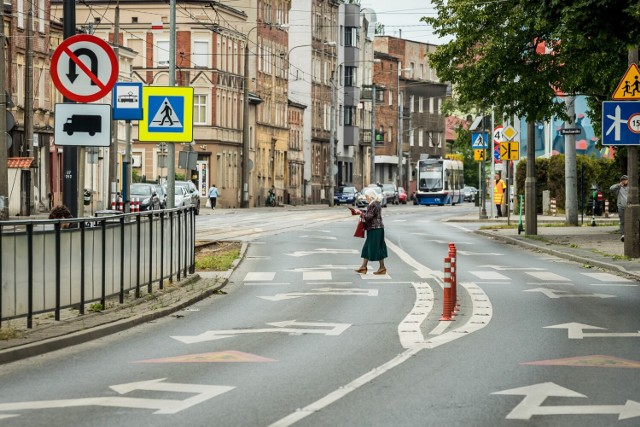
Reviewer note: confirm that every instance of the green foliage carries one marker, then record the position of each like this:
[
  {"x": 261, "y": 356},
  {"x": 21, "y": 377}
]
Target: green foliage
[
  {"x": 462, "y": 145},
  {"x": 221, "y": 261},
  {"x": 550, "y": 175},
  {"x": 492, "y": 58}
]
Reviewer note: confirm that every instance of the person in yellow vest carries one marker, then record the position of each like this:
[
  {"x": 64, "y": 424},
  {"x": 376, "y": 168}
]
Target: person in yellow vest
[{"x": 499, "y": 188}]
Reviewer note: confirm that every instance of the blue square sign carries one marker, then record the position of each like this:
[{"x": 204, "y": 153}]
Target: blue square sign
[
  {"x": 127, "y": 101},
  {"x": 479, "y": 140},
  {"x": 621, "y": 123}
]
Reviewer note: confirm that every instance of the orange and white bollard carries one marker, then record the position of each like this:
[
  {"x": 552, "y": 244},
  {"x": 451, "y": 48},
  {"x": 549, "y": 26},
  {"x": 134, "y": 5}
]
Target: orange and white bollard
[
  {"x": 606, "y": 208},
  {"x": 113, "y": 203},
  {"x": 454, "y": 276},
  {"x": 447, "y": 307},
  {"x": 552, "y": 207},
  {"x": 120, "y": 205}
]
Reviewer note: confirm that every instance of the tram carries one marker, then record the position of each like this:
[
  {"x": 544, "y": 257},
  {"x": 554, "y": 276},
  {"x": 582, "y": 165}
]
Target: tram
[{"x": 439, "y": 181}]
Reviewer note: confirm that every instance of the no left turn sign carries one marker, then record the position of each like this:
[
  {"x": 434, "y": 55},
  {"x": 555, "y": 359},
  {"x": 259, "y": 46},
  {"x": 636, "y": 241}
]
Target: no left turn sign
[{"x": 84, "y": 68}]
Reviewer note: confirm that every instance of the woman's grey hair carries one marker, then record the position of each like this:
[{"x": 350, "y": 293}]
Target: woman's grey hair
[{"x": 370, "y": 192}]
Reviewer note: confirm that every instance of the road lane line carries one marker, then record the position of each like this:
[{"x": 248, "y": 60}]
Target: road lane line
[{"x": 482, "y": 312}]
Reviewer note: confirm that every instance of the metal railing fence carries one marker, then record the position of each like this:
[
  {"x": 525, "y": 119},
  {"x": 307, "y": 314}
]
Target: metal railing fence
[{"x": 50, "y": 265}]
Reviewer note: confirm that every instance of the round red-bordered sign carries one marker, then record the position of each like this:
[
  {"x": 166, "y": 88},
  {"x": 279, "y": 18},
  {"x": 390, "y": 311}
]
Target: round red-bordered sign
[
  {"x": 633, "y": 123},
  {"x": 84, "y": 68}
]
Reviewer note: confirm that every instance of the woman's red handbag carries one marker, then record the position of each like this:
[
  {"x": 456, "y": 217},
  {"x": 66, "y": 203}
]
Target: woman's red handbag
[{"x": 359, "y": 230}]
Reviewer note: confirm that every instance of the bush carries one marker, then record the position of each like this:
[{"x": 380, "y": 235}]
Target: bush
[{"x": 550, "y": 175}]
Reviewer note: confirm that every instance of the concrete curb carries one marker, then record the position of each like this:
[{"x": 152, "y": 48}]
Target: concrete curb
[{"x": 560, "y": 254}]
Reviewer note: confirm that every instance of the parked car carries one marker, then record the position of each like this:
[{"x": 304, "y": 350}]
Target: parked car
[
  {"x": 147, "y": 194},
  {"x": 402, "y": 195},
  {"x": 162, "y": 195},
  {"x": 182, "y": 197},
  {"x": 194, "y": 194},
  {"x": 345, "y": 194},
  {"x": 391, "y": 192},
  {"x": 469, "y": 193},
  {"x": 361, "y": 200}
]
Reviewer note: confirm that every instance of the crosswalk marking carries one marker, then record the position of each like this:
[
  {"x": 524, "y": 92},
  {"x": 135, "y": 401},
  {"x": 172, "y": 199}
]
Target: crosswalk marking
[
  {"x": 259, "y": 276},
  {"x": 606, "y": 277},
  {"x": 316, "y": 275},
  {"x": 547, "y": 276},
  {"x": 489, "y": 275}
]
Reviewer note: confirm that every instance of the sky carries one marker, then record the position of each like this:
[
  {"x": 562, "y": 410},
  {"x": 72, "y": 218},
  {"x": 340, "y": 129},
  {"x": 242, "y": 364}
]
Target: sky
[{"x": 405, "y": 15}]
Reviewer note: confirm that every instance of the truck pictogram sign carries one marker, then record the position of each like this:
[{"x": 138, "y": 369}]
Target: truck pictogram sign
[{"x": 83, "y": 125}]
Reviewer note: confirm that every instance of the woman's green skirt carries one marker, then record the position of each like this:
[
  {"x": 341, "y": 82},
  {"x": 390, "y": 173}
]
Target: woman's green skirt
[{"x": 374, "y": 248}]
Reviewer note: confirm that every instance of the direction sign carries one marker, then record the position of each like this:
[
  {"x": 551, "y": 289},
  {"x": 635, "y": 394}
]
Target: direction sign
[
  {"x": 83, "y": 125},
  {"x": 619, "y": 123},
  {"x": 479, "y": 140},
  {"x": 509, "y": 150},
  {"x": 84, "y": 68},
  {"x": 127, "y": 101},
  {"x": 629, "y": 87},
  {"x": 167, "y": 114}
]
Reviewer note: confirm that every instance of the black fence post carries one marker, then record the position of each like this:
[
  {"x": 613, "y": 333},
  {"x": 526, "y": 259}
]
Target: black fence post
[
  {"x": 82, "y": 269},
  {"x": 179, "y": 245},
  {"x": 161, "y": 284},
  {"x": 138, "y": 257},
  {"x": 150, "y": 285},
  {"x": 121, "y": 296},
  {"x": 171, "y": 246},
  {"x": 103, "y": 297}
]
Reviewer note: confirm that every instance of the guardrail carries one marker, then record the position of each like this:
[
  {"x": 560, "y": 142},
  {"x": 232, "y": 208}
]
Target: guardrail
[{"x": 49, "y": 265}]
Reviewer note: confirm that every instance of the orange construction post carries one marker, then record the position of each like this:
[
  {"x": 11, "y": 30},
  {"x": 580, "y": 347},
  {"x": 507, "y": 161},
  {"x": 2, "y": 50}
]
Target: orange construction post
[
  {"x": 447, "y": 307},
  {"x": 454, "y": 276}
]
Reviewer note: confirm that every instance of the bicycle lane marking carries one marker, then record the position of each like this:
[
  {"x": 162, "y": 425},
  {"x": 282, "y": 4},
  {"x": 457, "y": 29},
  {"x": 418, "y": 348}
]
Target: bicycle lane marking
[{"x": 481, "y": 315}]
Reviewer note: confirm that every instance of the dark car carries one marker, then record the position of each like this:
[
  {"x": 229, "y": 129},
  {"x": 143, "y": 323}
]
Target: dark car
[
  {"x": 147, "y": 195},
  {"x": 391, "y": 193},
  {"x": 345, "y": 194},
  {"x": 469, "y": 193}
]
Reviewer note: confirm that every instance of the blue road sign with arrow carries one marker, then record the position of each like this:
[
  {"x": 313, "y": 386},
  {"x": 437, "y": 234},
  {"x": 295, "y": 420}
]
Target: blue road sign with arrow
[{"x": 621, "y": 123}]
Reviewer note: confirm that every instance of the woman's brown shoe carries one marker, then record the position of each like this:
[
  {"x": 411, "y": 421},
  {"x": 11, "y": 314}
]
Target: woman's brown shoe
[
  {"x": 362, "y": 270},
  {"x": 381, "y": 271}
]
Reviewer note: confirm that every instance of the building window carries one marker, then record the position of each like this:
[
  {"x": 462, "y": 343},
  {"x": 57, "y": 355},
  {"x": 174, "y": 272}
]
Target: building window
[
  {"x": 420, "y": 137},
  {"x": 350, "y": 76},
  {"x": 431, "y": 105},
  {"x": 162, "y": 53},
  {"x": 199, "y": 55},
  {"x": 349, "y": 116},
  {"x": 200, "y": 109},
  {"x": 41, "y": 16},
  {"x": 411, "y": 137},
  {"x": 411, "y": 101},
  {"x": 420, "y": 104},
  {"x": 351, "y": 36}
]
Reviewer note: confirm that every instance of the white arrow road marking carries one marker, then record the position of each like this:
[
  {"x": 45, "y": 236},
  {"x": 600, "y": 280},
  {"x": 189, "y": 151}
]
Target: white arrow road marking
[
  {"x": 325, "y": 267},
  {"x": 324, "y": 292},
  {"x": 575, "y": 332},
  {"x": 325, "y": 251},
  {"x": 563, "y": 294},
  {"x": 535, "y": 395},
  {"x": 162, "y": 406},
  {"x": 284, "y": 327},
  {"x": 505, "y": 267}
]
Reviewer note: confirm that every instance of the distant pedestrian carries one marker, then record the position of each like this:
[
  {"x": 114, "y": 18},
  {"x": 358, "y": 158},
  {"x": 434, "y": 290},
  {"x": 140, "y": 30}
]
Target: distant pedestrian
[
  {"x": 375, "y": 248},
  {"x": 213, "y": 196},
  {"x": 499, "y": 188},
  {"x": 621, "y": 189},
  {"x": 62, "y": 212}
]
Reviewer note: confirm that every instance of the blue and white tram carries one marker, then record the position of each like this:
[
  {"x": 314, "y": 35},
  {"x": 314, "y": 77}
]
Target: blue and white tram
[{"x": 439, "y": 181}]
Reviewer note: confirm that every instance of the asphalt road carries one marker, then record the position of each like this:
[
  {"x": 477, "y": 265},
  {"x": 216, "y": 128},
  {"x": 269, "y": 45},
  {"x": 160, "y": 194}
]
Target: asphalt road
[{"x": 301, "y": 339}]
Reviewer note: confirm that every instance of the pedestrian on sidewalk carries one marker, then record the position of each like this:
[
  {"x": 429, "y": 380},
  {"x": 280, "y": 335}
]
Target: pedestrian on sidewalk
[
  {"x": 213, "y": 195},
  {"x": 499, "y": 188},
  {"x": 621, "y": 189}
]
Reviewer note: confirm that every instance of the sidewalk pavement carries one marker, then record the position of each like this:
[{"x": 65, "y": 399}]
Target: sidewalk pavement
[{"x": 596, "y": 246}]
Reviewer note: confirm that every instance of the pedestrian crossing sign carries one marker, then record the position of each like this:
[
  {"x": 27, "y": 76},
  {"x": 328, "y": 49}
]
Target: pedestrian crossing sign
[
  {"x": 167, "y": 114},
  {"x": 629, "y": 87}
]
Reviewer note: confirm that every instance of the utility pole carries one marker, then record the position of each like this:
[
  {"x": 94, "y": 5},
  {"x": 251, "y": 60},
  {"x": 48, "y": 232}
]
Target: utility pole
[
  {"x": 4, "y": 178},
  {"x": 113, "y": 153},
  {"x": 372, "y": 179},
  {"x": 28, "y": 111},
  {"x": 531, "y": 215},
  {"x": 570, "y": 172},
  {"x": 171, "y": 147},
  {"x": 399, "y": 136},
  {"x": 331, "y": 166},
  {"x": 70, "y": 155},
  {"x": 632, "y": 212},
  {"x": 245, "y": 129}
]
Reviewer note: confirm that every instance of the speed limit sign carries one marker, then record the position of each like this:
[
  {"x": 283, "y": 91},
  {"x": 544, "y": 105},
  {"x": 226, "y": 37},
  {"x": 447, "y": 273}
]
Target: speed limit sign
[{"x": 634, "y": 123}]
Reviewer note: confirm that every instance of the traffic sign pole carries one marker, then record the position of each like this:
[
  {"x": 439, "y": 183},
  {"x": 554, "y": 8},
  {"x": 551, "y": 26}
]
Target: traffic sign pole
[{"x": 70, "y": 155}]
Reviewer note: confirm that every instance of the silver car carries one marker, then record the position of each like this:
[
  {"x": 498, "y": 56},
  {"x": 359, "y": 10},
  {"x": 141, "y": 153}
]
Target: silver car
[
  {"x": 193, "y": 192},
  {"x": 361, "y": 200}
]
